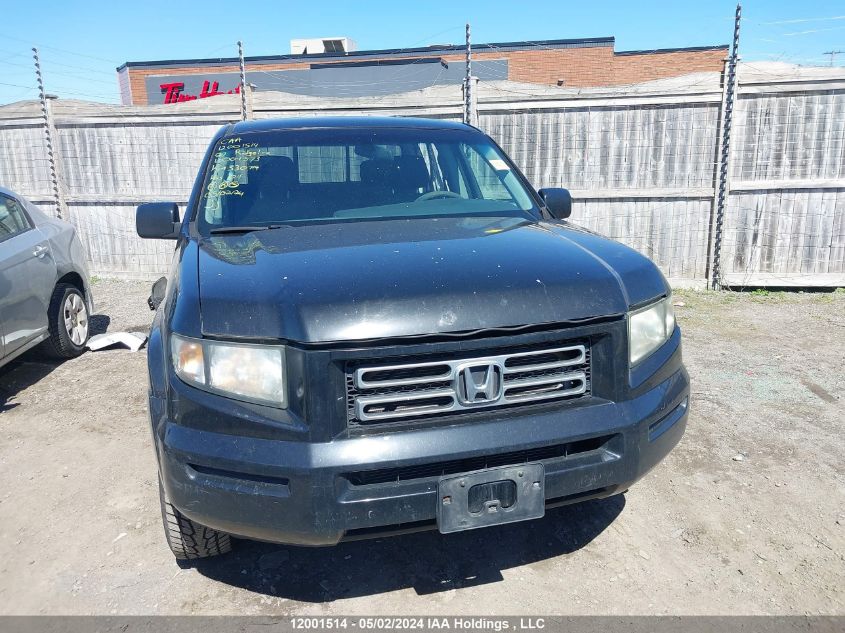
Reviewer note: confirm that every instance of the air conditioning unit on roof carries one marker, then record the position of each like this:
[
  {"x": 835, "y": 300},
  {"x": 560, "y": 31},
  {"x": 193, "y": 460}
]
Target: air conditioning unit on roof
[{"x": 317, "y": 45}]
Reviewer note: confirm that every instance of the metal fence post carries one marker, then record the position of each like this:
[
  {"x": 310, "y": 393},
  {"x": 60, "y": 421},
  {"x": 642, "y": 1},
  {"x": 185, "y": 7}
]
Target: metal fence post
[
  {"x": 473, "y": 101},
  {"x": 49, "y": 133},
  {"x": 470, "y": 114},
  {"x": 723, "y": 189},
  {"x": 717, "y": 165},
  {"x": 243, "y": 86}
]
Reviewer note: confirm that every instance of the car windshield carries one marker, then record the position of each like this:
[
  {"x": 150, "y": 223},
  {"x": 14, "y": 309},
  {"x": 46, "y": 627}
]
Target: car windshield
[{"x": 261, "y": 179}]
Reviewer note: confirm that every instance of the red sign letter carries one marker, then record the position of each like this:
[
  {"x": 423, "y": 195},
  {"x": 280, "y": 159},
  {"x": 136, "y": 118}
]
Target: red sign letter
[{"x": 171, "y": 91}]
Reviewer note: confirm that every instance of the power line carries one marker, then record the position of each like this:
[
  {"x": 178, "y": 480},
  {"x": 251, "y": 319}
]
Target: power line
[
  {"x": 62, "y": 50},
  {"x": 71, "y": 74},
  {"x": 802, "y": 20},
  {"x": 833, "y": 55}
]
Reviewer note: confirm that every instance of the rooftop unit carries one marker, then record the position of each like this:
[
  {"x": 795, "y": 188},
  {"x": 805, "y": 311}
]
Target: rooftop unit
[{"x": 318, "y": 45}]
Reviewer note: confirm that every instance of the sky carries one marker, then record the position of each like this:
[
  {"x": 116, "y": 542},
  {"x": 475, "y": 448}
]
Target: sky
[{"x": 81, "y": 43}]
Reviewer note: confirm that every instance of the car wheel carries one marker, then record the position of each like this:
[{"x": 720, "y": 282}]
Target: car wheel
[
  {"x": 68, "y": 317},
  {"x": 188, "y": 539}
]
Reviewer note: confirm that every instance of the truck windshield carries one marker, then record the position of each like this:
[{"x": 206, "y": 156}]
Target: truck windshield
[{"x": 263, "y": 179}]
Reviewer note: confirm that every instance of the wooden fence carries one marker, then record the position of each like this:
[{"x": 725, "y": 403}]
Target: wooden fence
[{"x": 641, "y": 162}]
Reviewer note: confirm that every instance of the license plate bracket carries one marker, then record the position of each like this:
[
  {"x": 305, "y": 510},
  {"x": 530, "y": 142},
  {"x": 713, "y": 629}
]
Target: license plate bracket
[{"x": 490, "y": 497}]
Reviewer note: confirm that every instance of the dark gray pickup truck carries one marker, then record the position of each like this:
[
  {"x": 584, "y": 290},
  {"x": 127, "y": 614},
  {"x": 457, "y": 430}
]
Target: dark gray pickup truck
[{"x": 374, "y": 326}]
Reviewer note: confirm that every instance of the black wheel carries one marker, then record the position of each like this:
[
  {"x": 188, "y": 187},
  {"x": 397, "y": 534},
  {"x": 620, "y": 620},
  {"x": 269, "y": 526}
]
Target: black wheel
[
  {"x": 188, "y": 539},
  {"x": 68, "y": 322}
]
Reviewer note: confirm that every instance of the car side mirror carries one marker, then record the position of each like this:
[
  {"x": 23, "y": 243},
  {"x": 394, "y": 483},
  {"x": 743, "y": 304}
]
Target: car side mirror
[
  {"x": 158, "y": 220},
  {"x": 558, "y": 202}
]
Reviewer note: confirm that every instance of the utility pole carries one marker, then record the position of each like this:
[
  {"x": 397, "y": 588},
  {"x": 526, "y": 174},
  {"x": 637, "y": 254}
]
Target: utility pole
[
  {"x": 243, "y": 85},
  {"x": 833, "y": 55},
  {"x": 725, "y": 152},
  {"x": 49, "y": 131}
]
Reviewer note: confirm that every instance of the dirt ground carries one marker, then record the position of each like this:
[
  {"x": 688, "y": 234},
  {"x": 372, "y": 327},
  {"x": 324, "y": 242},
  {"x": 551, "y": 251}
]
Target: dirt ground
[{"x": 744, "y": 517}]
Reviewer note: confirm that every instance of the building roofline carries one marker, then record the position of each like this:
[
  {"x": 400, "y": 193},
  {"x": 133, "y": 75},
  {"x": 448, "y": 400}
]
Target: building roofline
[
  {"x": 395, "y": 52},
  {"x": 682, "y": 49}
]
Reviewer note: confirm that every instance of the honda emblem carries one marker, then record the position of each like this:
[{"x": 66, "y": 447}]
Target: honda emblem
[{"x": 479, "y": 383}]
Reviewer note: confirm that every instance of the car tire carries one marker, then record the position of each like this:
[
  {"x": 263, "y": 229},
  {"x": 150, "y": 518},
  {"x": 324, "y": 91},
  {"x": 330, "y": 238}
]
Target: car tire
[
  {"x": 68, "y": 323},
  {"x": 188, "y": 540}
]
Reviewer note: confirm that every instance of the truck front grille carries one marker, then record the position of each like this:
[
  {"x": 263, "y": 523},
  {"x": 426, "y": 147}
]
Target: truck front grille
[{"x": 430, "y": 386}]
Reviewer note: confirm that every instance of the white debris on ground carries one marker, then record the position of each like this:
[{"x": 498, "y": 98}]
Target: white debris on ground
[{"x": 132, "y": 340}]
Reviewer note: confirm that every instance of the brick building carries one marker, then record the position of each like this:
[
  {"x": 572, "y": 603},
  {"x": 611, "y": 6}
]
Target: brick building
[{"x": 570, "y": 63}]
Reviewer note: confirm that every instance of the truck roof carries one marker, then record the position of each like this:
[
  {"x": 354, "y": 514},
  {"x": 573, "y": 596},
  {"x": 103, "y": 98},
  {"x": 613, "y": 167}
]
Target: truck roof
[{"x": 367, "y": 122}]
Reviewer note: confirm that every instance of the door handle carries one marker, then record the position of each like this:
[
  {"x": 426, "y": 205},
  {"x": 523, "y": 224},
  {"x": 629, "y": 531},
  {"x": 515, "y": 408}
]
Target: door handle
[{"x": 40, "y": 250}]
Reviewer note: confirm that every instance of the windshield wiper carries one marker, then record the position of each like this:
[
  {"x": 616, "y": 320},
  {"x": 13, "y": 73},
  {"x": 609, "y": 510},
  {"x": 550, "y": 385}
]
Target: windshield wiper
[{"x": 243, "y": 229}]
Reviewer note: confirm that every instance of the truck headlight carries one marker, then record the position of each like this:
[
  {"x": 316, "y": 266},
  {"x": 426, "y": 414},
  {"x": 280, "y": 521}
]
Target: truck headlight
[
  {"x": 649, "y": 328},
  {"x": 254, "y": 373}
]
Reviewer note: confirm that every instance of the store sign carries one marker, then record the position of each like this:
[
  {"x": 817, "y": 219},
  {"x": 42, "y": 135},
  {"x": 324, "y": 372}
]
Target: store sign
[
  {"x": 174, "y": 92},
  {"x": 320, "y": 80}
]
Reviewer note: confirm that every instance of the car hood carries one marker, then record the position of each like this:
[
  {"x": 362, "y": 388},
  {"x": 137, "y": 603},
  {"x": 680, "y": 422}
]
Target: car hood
[{"x": 363, "y": 280}]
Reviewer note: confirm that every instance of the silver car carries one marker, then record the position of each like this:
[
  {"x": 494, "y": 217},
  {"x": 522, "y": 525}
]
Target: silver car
[{"x": 45, "y": 296}]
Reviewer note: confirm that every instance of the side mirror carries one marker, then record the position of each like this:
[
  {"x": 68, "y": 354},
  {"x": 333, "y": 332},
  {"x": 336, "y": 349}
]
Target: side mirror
[
  {"x": 558, "y": 202},
  {"x": 158, "y": 220}
]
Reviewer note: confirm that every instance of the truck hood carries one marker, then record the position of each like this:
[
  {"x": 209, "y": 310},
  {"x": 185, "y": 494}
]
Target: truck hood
[{"x": 362, "y": 280}]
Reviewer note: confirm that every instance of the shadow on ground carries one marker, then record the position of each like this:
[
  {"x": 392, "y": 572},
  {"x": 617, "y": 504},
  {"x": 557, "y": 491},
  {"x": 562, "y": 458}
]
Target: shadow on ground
[
  {"x": 98, "y": 324},
  {"x": 32, "y": 366},
  {"x": 21, "y": 374},
  {"x": 428, "y": 562}
]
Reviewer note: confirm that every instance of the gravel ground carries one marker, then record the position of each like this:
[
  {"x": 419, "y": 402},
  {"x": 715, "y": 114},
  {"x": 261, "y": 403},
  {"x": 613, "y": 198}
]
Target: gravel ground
[{"x": 744, "y": 517}]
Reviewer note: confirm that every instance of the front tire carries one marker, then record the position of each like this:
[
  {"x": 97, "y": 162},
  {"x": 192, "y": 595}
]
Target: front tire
[
  {"x": 68, "y": 322},
  {"x": 188, "y": 540}
]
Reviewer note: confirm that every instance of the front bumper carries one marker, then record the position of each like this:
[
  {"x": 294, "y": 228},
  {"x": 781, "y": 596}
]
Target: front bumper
[{"x": 308, "y": 493}]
